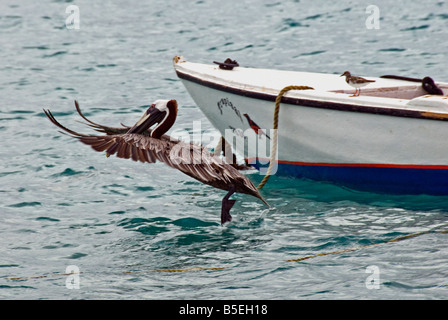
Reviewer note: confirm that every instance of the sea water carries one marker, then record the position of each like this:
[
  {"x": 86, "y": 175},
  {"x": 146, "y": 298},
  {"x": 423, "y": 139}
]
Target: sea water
[{"x": 77, "y": 225}]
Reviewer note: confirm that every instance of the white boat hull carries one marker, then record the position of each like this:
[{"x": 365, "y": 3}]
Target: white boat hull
[{"x": 362, "y": 143}]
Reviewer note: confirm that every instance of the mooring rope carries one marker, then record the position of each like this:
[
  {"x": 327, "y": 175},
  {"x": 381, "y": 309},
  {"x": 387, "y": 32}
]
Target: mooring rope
[
  {"x": 219, "y": 147},
  {"x": 195, "y": 269},
  {"x": 408, "y": 236},
  {"x": 275, "y": 127},
  {"x": 124, "y": 272}
]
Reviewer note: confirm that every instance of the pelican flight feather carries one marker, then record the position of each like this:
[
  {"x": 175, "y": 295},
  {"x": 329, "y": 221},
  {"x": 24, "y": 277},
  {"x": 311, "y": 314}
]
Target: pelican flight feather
[{"x": 145, "y": 144}]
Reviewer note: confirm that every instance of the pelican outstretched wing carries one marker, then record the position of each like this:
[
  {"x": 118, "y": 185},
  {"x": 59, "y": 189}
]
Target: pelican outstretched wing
[
  {"x": 99, "y": 127},
  {"x": 113, "y": 130},
  {"x": 189, "y": 158},
  {"x": 193, "y": 160},
  {"x": 123, "y": 145}
]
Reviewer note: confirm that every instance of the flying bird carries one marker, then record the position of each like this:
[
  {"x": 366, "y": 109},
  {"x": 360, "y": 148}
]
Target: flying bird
[
  {"x": 355, "y": 82},
  {"x": 141, "y": 143},
  {"x": 255, "y": 126}
]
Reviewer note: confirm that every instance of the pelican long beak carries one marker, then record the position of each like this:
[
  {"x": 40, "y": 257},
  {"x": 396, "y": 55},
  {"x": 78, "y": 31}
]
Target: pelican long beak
[{"x": 151, "y": 116}]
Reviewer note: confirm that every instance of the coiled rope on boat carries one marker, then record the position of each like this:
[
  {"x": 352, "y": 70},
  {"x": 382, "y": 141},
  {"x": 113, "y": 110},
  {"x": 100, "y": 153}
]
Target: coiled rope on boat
[{"x": 275, "y": 127}]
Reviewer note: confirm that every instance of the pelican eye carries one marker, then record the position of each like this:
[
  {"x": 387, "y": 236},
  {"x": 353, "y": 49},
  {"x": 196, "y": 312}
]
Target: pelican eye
[{"x": 151, "y": 108}]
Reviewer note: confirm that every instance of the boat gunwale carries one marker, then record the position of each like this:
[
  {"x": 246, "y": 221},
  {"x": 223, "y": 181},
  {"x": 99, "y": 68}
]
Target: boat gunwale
[{"x": 339, "y": 106}]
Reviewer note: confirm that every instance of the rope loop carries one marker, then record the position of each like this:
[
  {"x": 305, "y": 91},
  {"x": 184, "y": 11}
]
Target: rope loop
[{"x": 278, "y": 99}]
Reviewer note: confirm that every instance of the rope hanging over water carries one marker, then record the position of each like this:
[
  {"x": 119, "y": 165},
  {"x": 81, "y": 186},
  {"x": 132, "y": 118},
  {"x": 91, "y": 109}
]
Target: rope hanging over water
[{"x": 275, "y": 127}]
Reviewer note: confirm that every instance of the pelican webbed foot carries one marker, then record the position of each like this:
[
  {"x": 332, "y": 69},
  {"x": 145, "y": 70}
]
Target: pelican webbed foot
[{"x": 227, "y": 204}]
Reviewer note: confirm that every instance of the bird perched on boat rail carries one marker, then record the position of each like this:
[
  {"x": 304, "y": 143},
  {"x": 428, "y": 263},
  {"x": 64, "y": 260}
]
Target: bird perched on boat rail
[
  {"x": 140, "y": 143},
  {"x": 356, "y": 82}
]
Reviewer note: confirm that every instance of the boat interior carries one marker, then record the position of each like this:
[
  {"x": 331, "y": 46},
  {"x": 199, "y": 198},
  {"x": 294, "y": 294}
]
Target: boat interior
[{"x": 401, "y": 92}]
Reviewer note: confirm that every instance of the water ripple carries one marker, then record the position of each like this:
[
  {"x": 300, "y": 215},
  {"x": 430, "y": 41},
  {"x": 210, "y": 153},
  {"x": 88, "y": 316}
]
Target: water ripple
[{"x": 63, "y": 204}]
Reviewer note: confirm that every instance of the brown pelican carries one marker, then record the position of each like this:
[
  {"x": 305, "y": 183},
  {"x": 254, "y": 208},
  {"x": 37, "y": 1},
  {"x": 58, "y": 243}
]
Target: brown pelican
[{"x": 140, "y": 143}]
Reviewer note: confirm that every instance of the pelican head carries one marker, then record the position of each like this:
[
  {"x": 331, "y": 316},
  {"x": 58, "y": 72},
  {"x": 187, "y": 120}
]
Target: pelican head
[{"x": 162, "y": 112}]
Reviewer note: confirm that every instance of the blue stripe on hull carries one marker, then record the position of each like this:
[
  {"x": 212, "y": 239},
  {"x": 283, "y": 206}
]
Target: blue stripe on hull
[{"x": 373, "y": 179}]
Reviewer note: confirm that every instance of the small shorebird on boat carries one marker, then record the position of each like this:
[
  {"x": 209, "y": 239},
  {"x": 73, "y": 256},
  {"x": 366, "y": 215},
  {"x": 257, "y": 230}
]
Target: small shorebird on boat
[
  {"x": 356, "y": 82},
  {"x": 140, "y": 143}
]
